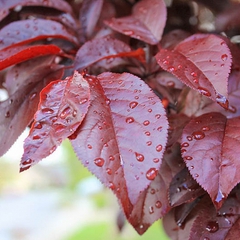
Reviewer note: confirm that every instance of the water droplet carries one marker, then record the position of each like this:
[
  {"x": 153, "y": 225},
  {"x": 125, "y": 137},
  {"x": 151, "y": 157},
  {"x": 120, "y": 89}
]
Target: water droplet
[
  {"x": 149, "y": 143},
  {"x": 53, "y": 149},
  {"x": 111, "y": 158},
  {"x": 188, "y": 158},
  {"x": 171, "y": 84},
  {"x": 27, "y": 162},
  {"x": 129, "y": 120},
  {"x": 147, "y": 133},
  {"x": 84, "y": 100},
  {"x": 158, "y": 204},
  {"x": 166, "y": 62},
  {"x": 7, "y": 114},
  {"x": 47, "y": 111},
  {"x": 204, "y": 91},
  {"x": 171, "y": 69},
  {"x": 111, "y": 186},
  {"x": 99, "y": 162},
  {"x": 193, "y": 74},
  {"x": 36, "y": 137},
  {"x": 219, "y": 198},
  {"x": 156, "y": 160},
  {"x": 132, "y": 105},
  {"x": 89, "y": 146},
  {"x": 198, "y": 135},
  {"x": 159, "y": 129},
  {"x": 38, "y": 125},
  {"x": 74, "y": 114},
  {"x": 65, "y": 112},
  {"x": 212, "y": 226},
  {"x": 108, "y": 101},
  {"x": 141, "y": 226},
  {"x": 128, "y": 32},
  {"x": 109, "y": 171},
  {"x": 146, "y": 122},
  {"x": 159, "y": 148},
  {"x": 224, "y": 57},
  {"x": 152, "y": 191},
  {"x": 196, "y": 175},
  {"x": 32, "y": 96},
  {"x": 151, "y": 173},
  {"x": 151, "y": 210},
  {"x": 205, "y": 128},
  {"x": 149, "y": 110},
  {"x": 157, "y": 116},
  {"x": 139, "y": 157},
  {"x": 185, "y": 144},
  {"x": 189, "y": 138}
]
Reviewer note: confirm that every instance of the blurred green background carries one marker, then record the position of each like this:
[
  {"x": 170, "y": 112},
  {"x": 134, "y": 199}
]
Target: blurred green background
[{"x": 58, "y": 199}]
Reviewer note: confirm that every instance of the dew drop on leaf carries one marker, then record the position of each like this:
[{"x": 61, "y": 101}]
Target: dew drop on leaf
[
  {"x": 129, "y": 120},
  {"x": 185, "y": 144},
  {"x": 158, "y": 204},
  {"x": 128, "y": 32},
  {"x": 99, "y": 162},
  {"x": 38, "y": 125},
  {"x": 205, "y": 128},
  {"x": 149, "y": 143},
  {"x": 74, "y": 114},
  {"x": 147, "y": 133},
  {"x": 27, "y": 162},
  {"x": 111, "y": 158},
  {"x": 7, "y": 114},
  {"x": 151, "y": 210},
  {"x": 152, "y": 191},
  {"x": 47, "y": 111},
  {"x": 32, "y": 96},
  {"x": 224, "y": 57},
  {"x": 204, "y": 91},
  {"x": 89, "y": 146},
  {"x": 84, "y": 100},
  {"x": 146, "y": 123},
  {"x": 189, "y": 138},
  {"x": 159, "y": 148},
  {"x": 212, "y": 226},
  {"x": 193, "y": 74},
  {"x": 157, "y": 116},
  {"x": 156, "y": 160},
  {"x": 111, "y": 186},
  {"x": 36, "y": 137},
  {"x": 53, "y": 149},
  {"x": 139, "y": 157},
  {"x": 198, "y": 135},
  {"x": 132, "y": 105},
  {"x": 188, "y": 158},
  {"x": 109, "y": 171},
  {"x": 65, "y": 112},
  {"x": 151, "y": 173}
]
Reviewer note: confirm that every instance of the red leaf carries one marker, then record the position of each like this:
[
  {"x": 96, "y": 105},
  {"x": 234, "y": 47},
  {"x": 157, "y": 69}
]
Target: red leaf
[
  {"x": 99, "y": 48},
  {"x": 210, "y": 149},
  {"x": 153, "y": 202},
  {"x": 23, "y": 99},
  {"x": 63, "y": 106},
  {"x": 146, "y": 22},
  {"x": 184, "y": 188},
  {"x": 123, "y": 136},
  {"x": 89, "y": 15},
  {"x": 199, "y": 61},
  {"x": 19, "y": 54},
  {"x": 7, "y": 5},
  {"x": 34, "y": 30}
]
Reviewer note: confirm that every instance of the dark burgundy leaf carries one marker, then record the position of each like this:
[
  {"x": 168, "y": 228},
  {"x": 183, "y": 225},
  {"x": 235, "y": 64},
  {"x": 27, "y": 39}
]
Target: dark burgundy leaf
[
  {"x": 233, "y": 234},
  {"x": 184, "y": 188},
  {"x": 26, "y": 31},
  {"x": 153, "y": 202},
  {"x": 19, "y": 54},
  {"x": 7, "y": 5},
  {"x": 210, "y": 225},
  {"x": 199, "y": 61},
  {"x": 210, "y": 150},
  {"x": 123, "y": 136},
  {"x": 22, "y": 102},
  {"x": 99, "y": 48},
  {"x": 146, "y": 22},
  {"x": 63, "y": 106},
  {"x": 89, "y": 15}
]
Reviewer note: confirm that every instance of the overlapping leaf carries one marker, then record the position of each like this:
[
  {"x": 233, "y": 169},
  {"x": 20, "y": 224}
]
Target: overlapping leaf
[
  {"x": 63, "y": 106},
  {"x": 96, "y": 49},
  {"x": 7, "y": 5},
  {"x": 210, "y": 148},
  {"x": 123, "y": 136},
  {"x": 146, "y": 22},
  {"x": 23, "y": 88},
  {"x": 202, "y": 62},
  {"x": 26, "y": 31},
  {"x": 19, "y": 54}
]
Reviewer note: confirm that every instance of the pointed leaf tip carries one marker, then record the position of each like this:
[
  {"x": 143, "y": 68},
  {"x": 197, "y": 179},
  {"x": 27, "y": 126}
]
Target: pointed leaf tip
[{"x": 63, "y": 106}]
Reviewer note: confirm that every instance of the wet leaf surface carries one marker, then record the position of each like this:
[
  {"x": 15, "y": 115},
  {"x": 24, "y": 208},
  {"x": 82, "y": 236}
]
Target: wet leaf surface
[{"x": 63, "y": 106}]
